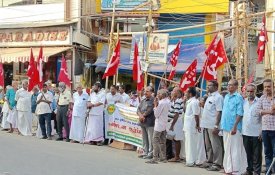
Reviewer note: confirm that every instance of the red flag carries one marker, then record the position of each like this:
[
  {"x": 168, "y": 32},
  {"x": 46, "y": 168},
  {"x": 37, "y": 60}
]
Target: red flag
[
  {"x": 135, "y": 63},
  {"x": 112, "y": 66},
  {"x": 63, "y": 74},
  {"x": 2, "y": 78},
  {"x": 32, "y": 73},
  {"x": 250, "y": 80},
  {"x": 40, "y": 66},
  {"x": 137, "y": 72},
  {"x": 263, "y": 38},
  {"x": 189, "y": 77},
  {"x": 216, "y": 57},
  {"x": 174, "y": 61}
]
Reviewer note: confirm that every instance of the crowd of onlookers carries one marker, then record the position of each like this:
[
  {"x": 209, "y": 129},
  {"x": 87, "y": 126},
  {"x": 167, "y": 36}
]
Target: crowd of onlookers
[{"x": 219, "y": 132}]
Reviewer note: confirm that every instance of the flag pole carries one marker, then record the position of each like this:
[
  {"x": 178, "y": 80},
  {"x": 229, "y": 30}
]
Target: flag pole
[
  {"x": 148, "y": 35},
  {"x": 110, "y": 42}
]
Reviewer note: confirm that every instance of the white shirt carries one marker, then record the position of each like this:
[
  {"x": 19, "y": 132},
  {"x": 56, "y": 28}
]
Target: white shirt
[
  {"x": 125, "y": 98},
  {"x": 80, "y": 104},
  {"x": 97, "y": 98},
  {"x": 251, "y": 122},
  {"x": 43, "y": 107},
  {"x": 192, "y": 109},
  {"x": 134, "y": 102},
  {"x": 23, "y": 98},
  {"x": 161, "y": 115},
  {"x": 112, "y": 99},
  {"x": 213, "y": 104}
]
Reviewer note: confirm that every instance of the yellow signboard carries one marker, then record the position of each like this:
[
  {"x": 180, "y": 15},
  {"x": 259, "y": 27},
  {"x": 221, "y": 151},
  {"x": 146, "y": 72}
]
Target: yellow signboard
[{"x": 193, "y": 6}]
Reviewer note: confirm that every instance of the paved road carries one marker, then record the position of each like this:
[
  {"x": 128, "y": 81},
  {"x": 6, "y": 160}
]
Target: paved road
[{"x": 30, "y": 156}]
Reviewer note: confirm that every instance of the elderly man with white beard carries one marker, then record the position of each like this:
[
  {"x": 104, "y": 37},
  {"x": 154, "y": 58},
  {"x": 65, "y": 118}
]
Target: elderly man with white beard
[{"x": 23, "y": 98}]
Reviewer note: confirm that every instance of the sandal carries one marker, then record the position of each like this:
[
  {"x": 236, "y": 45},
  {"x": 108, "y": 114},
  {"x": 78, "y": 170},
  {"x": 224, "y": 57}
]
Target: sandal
[
  {"x": 151, "y": 162},
  {"x": 213, "y": 168},
  {"x": 174, "y": 160}
]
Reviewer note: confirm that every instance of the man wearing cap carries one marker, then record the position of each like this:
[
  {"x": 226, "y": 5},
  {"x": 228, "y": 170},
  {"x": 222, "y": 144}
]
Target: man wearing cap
[
  {"x": 80, "y": 99},
  {"x": 23, "y": 98},
  {"x": 44, "y": 111},
  {"x": 63, "y": 102},
  {"x": 94, "y": 133}
]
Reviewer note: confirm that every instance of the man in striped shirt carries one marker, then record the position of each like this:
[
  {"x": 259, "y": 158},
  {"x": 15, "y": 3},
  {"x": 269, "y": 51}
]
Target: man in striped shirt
[{"x": 175, "y": 121}]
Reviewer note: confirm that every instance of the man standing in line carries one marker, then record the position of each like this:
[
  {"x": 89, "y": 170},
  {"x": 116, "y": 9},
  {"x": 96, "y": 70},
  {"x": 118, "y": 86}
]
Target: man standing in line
[
  {"x": 161, "y": 110},
  {"x": 35, "y": 119},
  {"x": 175, "y": 123},
  {"x": 266, "y": 109},
  {"x": 44, "y": 111},
  {"x": 94, "y": 133},
  {"x": 251, "y": 131},
  {"x": 12, "y": 116},
  {"x": 125, "y": 97},
  {"x": 211, "y": 116},
  {"x": 80, "y": 100},
  {"x": 23, "y": 98},
  {"x": 147, "y": 121},
  {"x": 191, "y": 127},
  {"x": 63, "y": 102},
  {"x": 234, "y": 154}
]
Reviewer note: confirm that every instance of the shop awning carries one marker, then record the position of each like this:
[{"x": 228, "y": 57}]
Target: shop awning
[{"x": 23, "y": 54}]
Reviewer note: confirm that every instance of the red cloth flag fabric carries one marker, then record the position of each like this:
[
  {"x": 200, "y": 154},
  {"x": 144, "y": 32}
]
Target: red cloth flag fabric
[
  {"x": 174, "y": 61},
  {"x": 40, "y": 67},
  {"x": 137, "y": 72},
  {"x": 113, "y": 64},
  {"x": 189, "y": 77},
  {"x": 216, "y": 57},
  {"x": 2, "y": 78},
  {"x": 263, "y": 38},
  {"x": 63, "y": 74},
  {"x": 250, "y": 80},
  {"x": 32, "y": 73},
  {"x": 135, "y": 63}
]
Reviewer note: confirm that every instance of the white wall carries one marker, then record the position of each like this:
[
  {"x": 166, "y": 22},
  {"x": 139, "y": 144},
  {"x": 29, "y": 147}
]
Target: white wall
[{"x": 40, "y": 13}]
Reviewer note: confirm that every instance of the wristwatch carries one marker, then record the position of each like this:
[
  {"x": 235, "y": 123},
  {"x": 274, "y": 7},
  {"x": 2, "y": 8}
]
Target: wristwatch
[{"x": 216, "y": 126}]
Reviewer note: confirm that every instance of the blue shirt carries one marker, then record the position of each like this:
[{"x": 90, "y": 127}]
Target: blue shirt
[
  {"x": 233, "y": 107},
  {"x": 11, "y": 97},
  {"x": 33, "y": 100}
]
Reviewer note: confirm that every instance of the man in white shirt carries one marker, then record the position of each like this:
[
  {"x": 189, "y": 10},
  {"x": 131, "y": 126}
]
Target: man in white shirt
[
  {"x": 191, "y": 127},
  {"x": 94, "y": 133},
  {"x": 125, "y": 97},
  {"x": 23, "y": 98},
  {"x": 44, "y": 111},
  {"x": 113, "y": 97},
  {"x": 211, "y": 117},
  {"x": 134, "y": 101},
  {"x": 161, "y": 111},
  {"x": 251, "y": 130},
  {"x": 80, "y": 100}
]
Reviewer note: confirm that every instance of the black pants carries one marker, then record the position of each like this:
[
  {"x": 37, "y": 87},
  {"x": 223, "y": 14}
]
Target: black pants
[
  {"x": 169, "y": 149},
  {"x": 42, "y": 119},
  {"x": 253, "y": 148},
  {"x": 62, "y": 120}
]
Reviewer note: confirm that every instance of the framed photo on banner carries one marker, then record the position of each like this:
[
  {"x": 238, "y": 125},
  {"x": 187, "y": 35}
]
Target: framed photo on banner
[{"x": 157, "y": 48}]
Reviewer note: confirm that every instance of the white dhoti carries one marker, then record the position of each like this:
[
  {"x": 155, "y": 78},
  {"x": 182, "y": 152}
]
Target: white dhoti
[
  {"x": 34, "y": 122},
  {"x": 234, "y": 161},
  {"x": 94, "y": 128},
  {"x": 191, "y": 143},
  {"x": 77, "y": 128},
  {"x": 13, "y": 118},
  {"x": 182, "y": 147},
  {"x": 201, "y": 148},
  {"x": 5, "y": 124},
  {"x": 178, "y": 127},
  {"x": 25, "y": 123}
]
